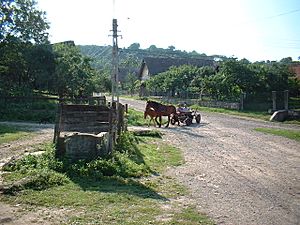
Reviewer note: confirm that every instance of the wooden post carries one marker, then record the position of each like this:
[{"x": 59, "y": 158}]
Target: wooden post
[
  {"x": 112, "y": 127},
  {"x": 57, "y": 123},
  {"x": 286, "y": 99},
  {"x": 274, "y": 100},
  {"x": 242, "y": 101},
  {"x": 121, "y": 126}
]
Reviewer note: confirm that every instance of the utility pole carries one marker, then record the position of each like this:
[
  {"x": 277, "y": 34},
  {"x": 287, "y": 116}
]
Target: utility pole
[
  {"x": 115, "y": 62},
  {"x": 115, "y": 82}
]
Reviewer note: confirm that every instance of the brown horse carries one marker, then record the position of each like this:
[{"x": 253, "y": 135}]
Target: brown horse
[
  {"x": 160, "y": 110},
  {"x": 153, "y": 116}
]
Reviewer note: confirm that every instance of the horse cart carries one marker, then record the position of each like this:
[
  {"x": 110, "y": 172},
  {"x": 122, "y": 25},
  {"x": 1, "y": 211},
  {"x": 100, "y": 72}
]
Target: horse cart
[{"x": 185, "y": 117}]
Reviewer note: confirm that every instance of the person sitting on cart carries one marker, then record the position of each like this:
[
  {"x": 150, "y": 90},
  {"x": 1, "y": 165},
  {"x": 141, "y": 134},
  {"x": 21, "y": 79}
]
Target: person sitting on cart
[{"x": 183, "y": 108}]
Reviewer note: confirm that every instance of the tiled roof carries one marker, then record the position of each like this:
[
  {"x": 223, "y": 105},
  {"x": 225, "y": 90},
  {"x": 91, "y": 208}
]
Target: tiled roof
[{"x": 159, "y": 65}]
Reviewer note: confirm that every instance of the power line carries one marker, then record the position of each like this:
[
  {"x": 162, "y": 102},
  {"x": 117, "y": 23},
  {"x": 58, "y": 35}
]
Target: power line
[
  {"x": 271, "y": 17},
  {"x": 283, "y": 14}
]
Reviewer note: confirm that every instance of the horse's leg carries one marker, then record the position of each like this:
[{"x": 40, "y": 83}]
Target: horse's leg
[
  {"x": 168, "y": 121},
  {"x": 158, "y": 123},
  {"x": 153, "y": 119},
  {"x": 156, "y": 120}
]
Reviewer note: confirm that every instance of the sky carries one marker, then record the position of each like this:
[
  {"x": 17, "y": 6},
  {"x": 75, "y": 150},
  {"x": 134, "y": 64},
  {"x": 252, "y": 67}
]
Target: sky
[{"x": 253, "y": 29}]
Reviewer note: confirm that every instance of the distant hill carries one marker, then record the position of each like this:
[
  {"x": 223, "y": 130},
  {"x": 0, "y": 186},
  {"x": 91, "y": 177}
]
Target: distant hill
[{"x": 130, "y": 59}]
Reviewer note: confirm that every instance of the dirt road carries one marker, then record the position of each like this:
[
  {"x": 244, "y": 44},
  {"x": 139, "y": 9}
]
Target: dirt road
[
  {"x": 235, "y": 174},
  {"x": 42, "y": 133}
]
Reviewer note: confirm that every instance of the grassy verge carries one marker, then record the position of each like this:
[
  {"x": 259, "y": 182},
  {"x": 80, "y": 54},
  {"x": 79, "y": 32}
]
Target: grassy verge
[
  {"x": 136, "y": 118},
  {"x": 291, "y": 134},
  {"x": 29, "y": 109},
  {"x": 251, "y": 114},
  {"x": 262, "y": 115},
  {"x": 9, "y": 133},
  {"x": 127, "y": 188}
]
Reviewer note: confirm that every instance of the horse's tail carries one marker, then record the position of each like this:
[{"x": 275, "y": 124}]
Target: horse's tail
[
  {"x": 145, "y": 115},
  {"x": 173, "y": 109}
]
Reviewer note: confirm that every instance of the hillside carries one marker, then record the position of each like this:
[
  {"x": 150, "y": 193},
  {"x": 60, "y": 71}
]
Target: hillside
[{"x": 130, "y": 58}]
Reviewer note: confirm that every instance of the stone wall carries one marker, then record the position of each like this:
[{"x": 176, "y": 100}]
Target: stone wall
[{"x": 85, "y": 146}]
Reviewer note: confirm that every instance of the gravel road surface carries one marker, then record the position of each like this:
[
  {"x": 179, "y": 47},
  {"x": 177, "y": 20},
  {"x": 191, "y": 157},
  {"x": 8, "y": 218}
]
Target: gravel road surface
[{"x": 235, "y": 174}]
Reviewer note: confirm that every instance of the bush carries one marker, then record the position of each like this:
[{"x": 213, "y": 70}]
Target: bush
[
  {"x": 39, "y": 172},
  {"x": 30, "y": 162},
  {"x": 45, "y": 178},
  {"x": 126, "y": 161}
]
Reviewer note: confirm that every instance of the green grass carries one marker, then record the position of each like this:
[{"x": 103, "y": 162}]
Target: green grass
[
  {"x": 136, "y": 192},
  {"x": 9, "y": 133},
  {"x": 251, "y": 114},
  {"x": 29, "y": 110},
  {"x": 136, "y": 118},
  {"x": 291, "y": 134}
]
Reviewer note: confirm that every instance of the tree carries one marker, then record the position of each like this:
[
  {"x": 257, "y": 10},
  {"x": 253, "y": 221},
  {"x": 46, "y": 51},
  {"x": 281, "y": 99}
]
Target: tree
[
  {"x": 152, "y": 48},
  {"x": 73, "y": 73},
  {"x": 134, "y": 46},
  {"x": 40, "y": 67},
  {"x": 101, "y": 81},
  {"x": 21, "y": 19},
  {"x": 200, "y": 81},
  {"x": 131, "y": 78},
  {"x": 171, "y": 48},
  {"x": 287, "y": 60},
  {"x": 176, "y": 79}
]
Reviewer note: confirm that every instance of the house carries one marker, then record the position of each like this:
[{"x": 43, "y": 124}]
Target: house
[{"x": 151, "y": 66}]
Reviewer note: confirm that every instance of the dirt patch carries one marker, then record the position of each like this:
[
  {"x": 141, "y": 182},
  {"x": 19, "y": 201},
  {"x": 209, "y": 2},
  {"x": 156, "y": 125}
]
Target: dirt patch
[
  {"x": 18, "y": 214},
  {"x": 24, "y": 215},
  {"x": 41, "y": 133}
]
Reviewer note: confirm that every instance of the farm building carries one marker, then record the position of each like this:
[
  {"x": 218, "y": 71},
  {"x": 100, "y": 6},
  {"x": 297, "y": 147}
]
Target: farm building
[{"x": 151, "y": 66}]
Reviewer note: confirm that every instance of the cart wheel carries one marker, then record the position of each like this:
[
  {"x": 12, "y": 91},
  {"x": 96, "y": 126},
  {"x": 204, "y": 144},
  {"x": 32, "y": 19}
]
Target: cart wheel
[
  {"x": 188, "y": 121},
  {"x": 198, "y": 118},
  {"x": 173, "y": 121}
]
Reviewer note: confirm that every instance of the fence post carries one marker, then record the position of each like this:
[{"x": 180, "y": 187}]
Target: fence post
[
  {"x": 274, "y": 100},
  {"x": 112, "y": 127},
  {"x": 121, "y": 119},
  {"x": 286, "y": 99},
  {"x": 242, "y": 101},
  {"x": 58, "y": 118}
]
